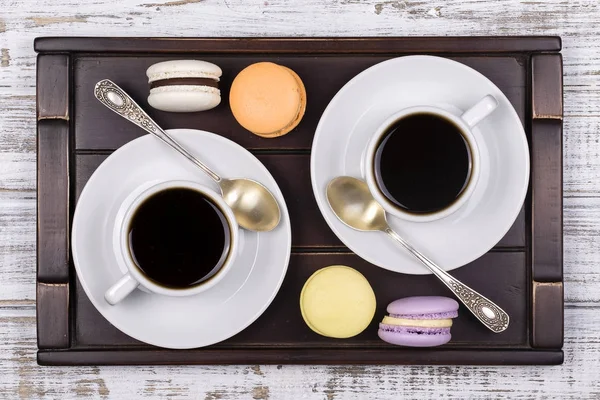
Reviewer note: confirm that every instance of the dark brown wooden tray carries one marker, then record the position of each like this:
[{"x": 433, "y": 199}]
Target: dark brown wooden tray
[{"x": 523, "y": 273}]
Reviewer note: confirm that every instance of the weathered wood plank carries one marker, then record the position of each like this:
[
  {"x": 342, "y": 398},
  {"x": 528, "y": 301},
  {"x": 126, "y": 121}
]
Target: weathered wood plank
[
  {"x": 22, "y": 378},
  {"x": 581, "y": 156},
  {"x": 99, "y": 128},
  {"x": 576, "y": 22},
  {"x": 581, "y": 244},
  {"x": 17, "y": 247},
  {"x": 547, "y": 82},
  {"x": 286, "y": 327},
  {"x": 18, "y": 170}
]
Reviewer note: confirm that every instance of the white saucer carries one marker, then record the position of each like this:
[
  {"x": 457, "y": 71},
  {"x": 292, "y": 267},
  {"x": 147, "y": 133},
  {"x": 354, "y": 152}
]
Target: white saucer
[
  {"x": 178, "y": 322},
  {"x": 358, "y": 109}
]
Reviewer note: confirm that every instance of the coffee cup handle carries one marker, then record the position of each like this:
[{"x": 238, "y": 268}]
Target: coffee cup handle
[
  {"x": 479, "y": 111},
  {"x": 121, "y": 289}
]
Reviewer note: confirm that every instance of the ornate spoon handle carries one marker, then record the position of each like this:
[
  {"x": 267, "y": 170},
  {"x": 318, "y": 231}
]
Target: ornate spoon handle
[
  {"x": 492, "y": 316},
  {"x": 115, "y": 98}
]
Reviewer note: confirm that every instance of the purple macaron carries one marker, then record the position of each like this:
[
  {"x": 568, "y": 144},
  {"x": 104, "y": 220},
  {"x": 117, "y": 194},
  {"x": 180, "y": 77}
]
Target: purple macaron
[{"x": 420, "y": 321}]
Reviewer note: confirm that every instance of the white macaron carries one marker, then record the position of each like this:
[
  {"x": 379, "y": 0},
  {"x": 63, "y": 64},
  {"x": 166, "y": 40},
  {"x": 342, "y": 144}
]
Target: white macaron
[{"x": 184, "y": 85}]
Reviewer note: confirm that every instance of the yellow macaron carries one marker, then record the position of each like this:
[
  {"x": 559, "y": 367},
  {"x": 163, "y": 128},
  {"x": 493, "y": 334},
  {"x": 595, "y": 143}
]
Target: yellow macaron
[
  {"x": 267, "y": 99},
  {"x": 338, "y": 302}
]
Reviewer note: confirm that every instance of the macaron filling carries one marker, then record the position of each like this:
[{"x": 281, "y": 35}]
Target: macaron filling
[
  {"x": 421, "y": 323},
  {"x": 176, "y": 73},
  {"x": 440, "y": 315},
  {"x": 184, "y": 82},
  {"x": 414, "y": 330}
]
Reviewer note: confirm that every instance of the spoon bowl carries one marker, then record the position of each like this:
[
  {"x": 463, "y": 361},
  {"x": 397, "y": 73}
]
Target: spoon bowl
[
  {"x": 354, "y": 204},
  {"x": 253, "y": 204}
]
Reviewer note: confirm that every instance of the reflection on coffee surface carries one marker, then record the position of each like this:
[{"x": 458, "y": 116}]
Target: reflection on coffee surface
[
  {"x": 179, "y": 238},
  {"x": 422, "y": 163}
]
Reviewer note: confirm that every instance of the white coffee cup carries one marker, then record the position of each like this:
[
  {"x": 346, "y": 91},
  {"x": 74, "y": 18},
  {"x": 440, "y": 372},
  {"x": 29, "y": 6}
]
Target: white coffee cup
[
  {"x": 465, "y": 123},
  {"x": 134, "y": 277}
]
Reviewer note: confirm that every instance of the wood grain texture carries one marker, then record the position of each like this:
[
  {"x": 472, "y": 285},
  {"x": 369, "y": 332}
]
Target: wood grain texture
[
  {"x": 547, "y": 190},
  {"x": 548, "y": 309},
  {"x": 547, "y": 92},
  {"x": 578, "y": 24},
  {"x": 283, "y": 45},
  {"x": 281, "y": 326},
  {"x": 96, "y": 132},
  {"x": 99, "y": 128},
  {"x": 52, "y": 301},
  {"x": 53, "y": 215},
  {"x": 22, "y": 379},
  {"x": 53, "y": 99},
  {"x": 281, "y": 356}
]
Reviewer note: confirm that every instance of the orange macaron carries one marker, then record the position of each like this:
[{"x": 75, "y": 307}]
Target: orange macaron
[{"x": 267, "y": 99}]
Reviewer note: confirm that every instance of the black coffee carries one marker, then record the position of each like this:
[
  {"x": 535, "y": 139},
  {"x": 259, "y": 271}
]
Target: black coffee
[
  {"x": 179, "y": 238},
  {"x": 422, "y": 164}
]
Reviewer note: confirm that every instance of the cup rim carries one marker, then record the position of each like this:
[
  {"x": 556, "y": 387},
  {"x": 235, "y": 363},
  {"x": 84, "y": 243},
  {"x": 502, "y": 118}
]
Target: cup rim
[
  {"x": 369, "y": 170},
  {"x": 123, "y": 246}
]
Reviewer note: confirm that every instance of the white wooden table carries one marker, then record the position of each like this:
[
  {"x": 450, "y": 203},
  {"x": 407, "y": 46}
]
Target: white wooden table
[{"x": 577, "y": 21}]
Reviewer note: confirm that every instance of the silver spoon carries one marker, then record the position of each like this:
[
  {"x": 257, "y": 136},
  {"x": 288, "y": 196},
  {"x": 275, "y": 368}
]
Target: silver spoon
[
  {"x": 253, "y": 205},
  {"x": 353, "y": 203}
]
